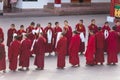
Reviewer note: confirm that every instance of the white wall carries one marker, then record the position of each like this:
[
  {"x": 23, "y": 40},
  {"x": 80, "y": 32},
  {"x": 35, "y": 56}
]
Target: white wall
[{"x": 100, "y": 1}]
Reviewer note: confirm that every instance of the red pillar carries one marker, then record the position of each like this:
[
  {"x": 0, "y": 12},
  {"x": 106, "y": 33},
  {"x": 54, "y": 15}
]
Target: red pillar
[
  {"x": 57, "y": 1},
  {"x": 112, "y": 9}
]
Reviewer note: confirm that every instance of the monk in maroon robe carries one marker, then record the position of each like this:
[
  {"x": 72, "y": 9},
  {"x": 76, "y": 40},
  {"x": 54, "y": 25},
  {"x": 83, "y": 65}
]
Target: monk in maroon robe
[
  {"x": 39, "y": 50},
  {"x": 81, "y": 29},
  {"x": 61, "y": 51},
  {"x": 91, "y": 49},
  {"x": 2, "y": 56},
  {"x": 105, "y": 27},
  {"x": 20, "y": 32},
  {"x": 10, "y": 33},
  {"x": 74, "y": 49},
  {"x": 68, "y": 33},
  {"x": 92, "y": 27},
  {"x": 112, "y": 49},
  {"x": 56, "y": 30},
  {"x": 13, "y": 52},
  {"x": 49, "y": 35},
  {"x": 1, "y": 34},
  {"x": 100, "y": 40},
  {"x": 25, "y": 52}
]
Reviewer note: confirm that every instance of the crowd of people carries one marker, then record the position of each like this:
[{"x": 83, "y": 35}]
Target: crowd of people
[{"x": 22, "y": 44}]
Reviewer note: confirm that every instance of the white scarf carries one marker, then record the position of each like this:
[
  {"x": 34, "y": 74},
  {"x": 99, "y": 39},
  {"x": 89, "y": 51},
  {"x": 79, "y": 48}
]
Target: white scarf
[
  {"x": 58, "y": 38},
  {"x": 106, "y": 34},
  {"x": 49, "y": 36},
  {"x": 82, "y": 37}
]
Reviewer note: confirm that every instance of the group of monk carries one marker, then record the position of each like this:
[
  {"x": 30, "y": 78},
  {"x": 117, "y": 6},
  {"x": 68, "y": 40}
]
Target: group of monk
[{"x": 35, "y": 40}]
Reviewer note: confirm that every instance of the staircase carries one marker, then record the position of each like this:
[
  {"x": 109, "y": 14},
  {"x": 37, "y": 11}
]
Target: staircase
[{"x": 78, "y": 8}]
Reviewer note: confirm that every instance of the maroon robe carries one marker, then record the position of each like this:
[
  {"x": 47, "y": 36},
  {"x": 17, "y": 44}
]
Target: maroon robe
[
  {"x": 91, "y": 49},
  {"x": 56, "y": 30},
  {"x": 61, "y": 51},
  {"x": 19, "y": 33},
  {"x": 31, "y": 36},
  {"x": 13, "y": 52},
  {"x": 100, "y": 40},
  {"x": 112, "y": 49},
  {"x": 118, "y": 30},
  {"x": 81, "y": 28},
  {"x": 1, "y": 34},
  {"x": 74, "y": 50},
  {"x": 39, "y": 50},
  {"x": 36, "y": 36},
  {"x": 2, "y": 57},
  {"x": 68, "y": 35},
  {"x": 25, "y": 53},
  {"x": 49, "y": 46},
  {"x": 10, "y": 36}
]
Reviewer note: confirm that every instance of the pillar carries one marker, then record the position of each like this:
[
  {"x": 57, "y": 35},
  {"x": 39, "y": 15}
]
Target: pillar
[
  {"x": 112, "y": 9},
  {"x": 57, "y": 3}
]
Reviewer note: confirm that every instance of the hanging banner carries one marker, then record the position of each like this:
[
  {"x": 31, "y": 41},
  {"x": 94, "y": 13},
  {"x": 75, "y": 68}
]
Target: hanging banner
[{"x": 117, "y": 10}]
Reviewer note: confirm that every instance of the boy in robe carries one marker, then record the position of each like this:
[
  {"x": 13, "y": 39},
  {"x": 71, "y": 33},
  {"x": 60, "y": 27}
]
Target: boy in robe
[
  {"x": 13, "y": 53},
  {"x": 91, "y": 49},
  {"x": 20, "y": 32},
  {"x": 1, "y": 34},
  {"x": 100, "y": 41},
  {"x": 61, "y": 51},
  {"x": 74, "y": 49},
  {"x": 81, "y": 29},
  {"x": 112, "y": 49},
  {"x": 68, "y": 33},
  {"x": 39, "y": 50},
  {"x": 10, "y": 33},
  {"x": 57, "y": 29},
  {"x": 2, "y": 57},
  {"x": 25, "y": 53},
  {"x": 49, "y": 35},
  {"x": 106, "y": 27}
]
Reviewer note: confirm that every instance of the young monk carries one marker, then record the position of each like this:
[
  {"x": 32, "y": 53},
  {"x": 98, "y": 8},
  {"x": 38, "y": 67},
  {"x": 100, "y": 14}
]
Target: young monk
[
  {"x": 2, "y": 56},
  {"x": 39, "y": 50},
  {"x": 74, "y": 49},
  {"x": 1, "y": 34},
  {"x": 91, "y": 49},
  {"x": 112, "y": 49},
  {"x": 25, "y": 53},
  {"x": 61, "y": 51},
  {"x": 100, "y": 41},
  {"x": 10, "y": 33},
  {"x": 13, "y": 52}
]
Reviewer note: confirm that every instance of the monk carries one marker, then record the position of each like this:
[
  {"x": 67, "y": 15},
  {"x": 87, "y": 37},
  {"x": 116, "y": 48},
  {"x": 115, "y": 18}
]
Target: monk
[
  {"x": 106, "y": 27},
  {"x": 25, "y": 53},
  {"x": 100, "y": 40},
  {"x": 2, "y": 57},
  {"x": 39, "y": 50},
  {"x": 61, "y": 51},
  {"x": 13, "y": 52},
  {"x": 81, "y": 29},
  {"x": 49, "y": 35},
  {"x": 92, "y": 27},
  {"x": 10, "y": 33},
  {"x": 91, "y": 49},
  {"x": 1, "y": 34},
  {"x": 20, "y": 32},
  {"x": 74, "y": 49},
  {"x": 68, "y": 33},
  {"x": 57, "y": 29},
  {"x": 112, "y": 49}
]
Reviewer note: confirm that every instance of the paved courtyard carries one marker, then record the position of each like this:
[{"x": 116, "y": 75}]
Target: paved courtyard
[{"x": 83, "y": 72}]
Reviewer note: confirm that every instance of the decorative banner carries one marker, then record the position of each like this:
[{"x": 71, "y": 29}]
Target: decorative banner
[{"x": 117, "y": 11}]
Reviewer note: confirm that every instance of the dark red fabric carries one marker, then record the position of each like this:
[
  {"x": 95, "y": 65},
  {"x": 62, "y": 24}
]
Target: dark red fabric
[{"x": 19, "y": 33}]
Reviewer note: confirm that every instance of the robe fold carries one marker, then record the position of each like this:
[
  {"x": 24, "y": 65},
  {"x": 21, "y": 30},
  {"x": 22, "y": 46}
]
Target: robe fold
[
  {"x": 68, "y": 35},
  {"x": 49, "y": 39},
  {"x": 81, "y": 28},
  {"x": 118, "y": 30},
  {"x": 100, "y": 41},
  {"x": 25, "y": 53},
  {"x": 112, "y": 49},
  {"x": 1, "y": 34},
  {"x": 2, "y": 57},
  {"x": 74, "y": 50},
  {"x": 39, "y": 50},
  {"x": 39, "y": 30},
  {"x": 20, "y": 35},
  {"x": 91, "y": 49},
  {"x": 61, "y": 51},
  {"x": 10, "y": 36},
  {"x": 13, "y": 53}
]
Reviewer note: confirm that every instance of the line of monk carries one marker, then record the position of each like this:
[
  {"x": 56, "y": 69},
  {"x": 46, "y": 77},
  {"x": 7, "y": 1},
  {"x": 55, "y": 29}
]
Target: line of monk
[{"x": 36, "y": 40}]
